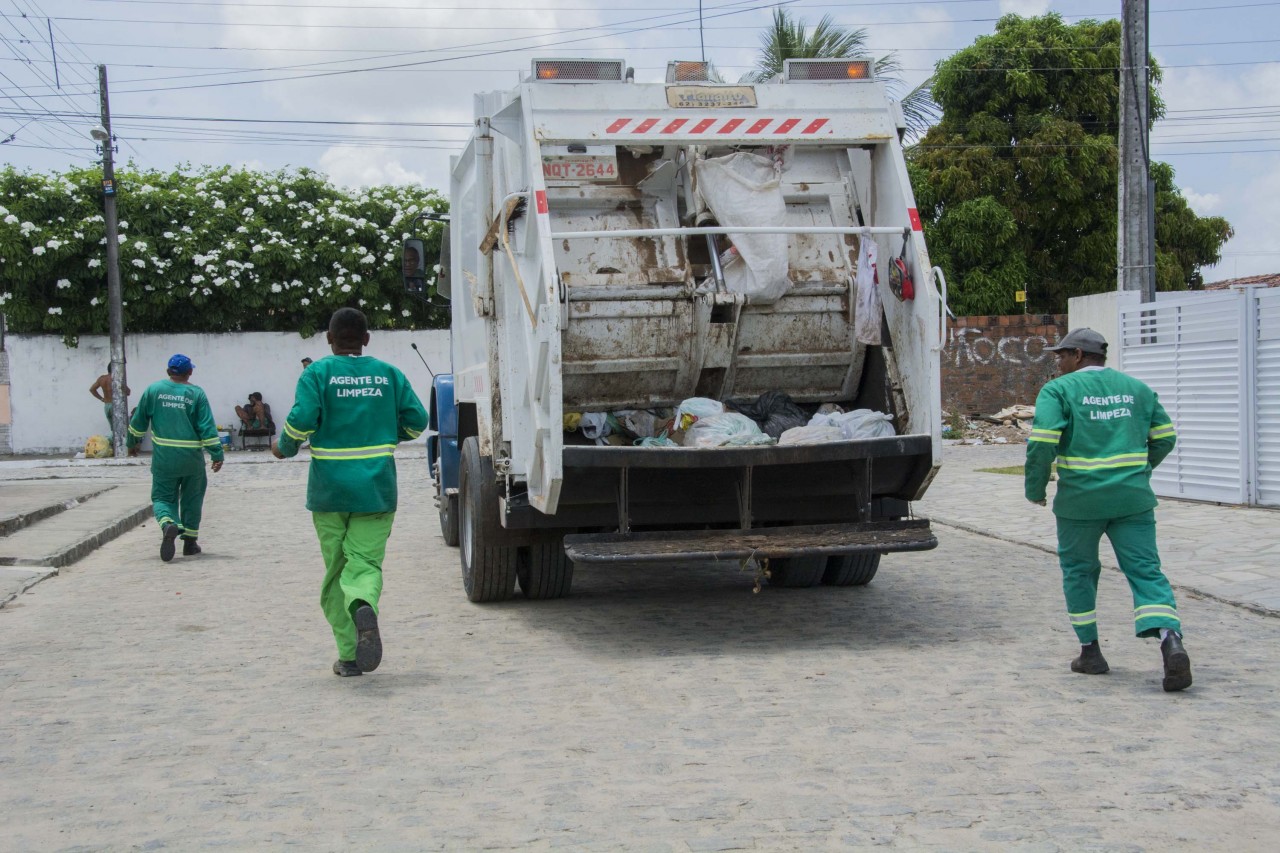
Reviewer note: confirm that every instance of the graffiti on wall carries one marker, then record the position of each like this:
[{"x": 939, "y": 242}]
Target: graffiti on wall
[{"x": 970, "y": 346}]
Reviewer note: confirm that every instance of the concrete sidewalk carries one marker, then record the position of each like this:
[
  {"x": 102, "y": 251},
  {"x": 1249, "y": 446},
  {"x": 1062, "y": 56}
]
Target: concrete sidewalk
[{"x": 1227, "y": 553}]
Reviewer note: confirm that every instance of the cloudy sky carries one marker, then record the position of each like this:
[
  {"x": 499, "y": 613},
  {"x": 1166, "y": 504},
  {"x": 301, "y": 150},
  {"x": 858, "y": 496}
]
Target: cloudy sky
[{"x": 379, "y": 91}]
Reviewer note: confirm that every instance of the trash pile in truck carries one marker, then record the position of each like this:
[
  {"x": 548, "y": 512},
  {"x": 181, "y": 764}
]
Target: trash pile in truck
[{"x": 700, "y": 422}]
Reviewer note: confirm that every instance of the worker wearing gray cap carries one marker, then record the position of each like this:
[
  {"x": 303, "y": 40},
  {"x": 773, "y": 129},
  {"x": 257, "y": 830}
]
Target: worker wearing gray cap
[{"x": 1107, "y": 432}]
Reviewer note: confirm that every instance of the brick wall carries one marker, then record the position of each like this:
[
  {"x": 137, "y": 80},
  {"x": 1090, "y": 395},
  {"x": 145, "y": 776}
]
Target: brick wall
[{"x": 993, "y": 362}]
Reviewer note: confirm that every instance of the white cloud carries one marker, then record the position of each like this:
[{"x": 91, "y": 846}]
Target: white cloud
[
  {"x": 1204, "y": 204},
  {"x": 1025, "y": 8},
  {"x": 365, "y": 167}
]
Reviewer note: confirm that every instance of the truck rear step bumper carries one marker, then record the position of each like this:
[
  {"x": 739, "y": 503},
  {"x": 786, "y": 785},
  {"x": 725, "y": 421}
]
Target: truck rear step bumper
[{"x": 673, "y": 545}]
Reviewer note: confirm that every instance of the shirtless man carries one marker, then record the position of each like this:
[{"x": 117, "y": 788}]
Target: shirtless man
[{"x": 101, "y": 391}]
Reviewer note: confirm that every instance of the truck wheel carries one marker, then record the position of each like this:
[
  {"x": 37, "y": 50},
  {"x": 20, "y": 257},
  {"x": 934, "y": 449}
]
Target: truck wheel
[
  {"x": 488, "y": 571},
  {"x": 449, "y": 520},
  {"x": 544, "y": 570},
  {"x": 851, "y": 569},
  {"x": 796, "y": 572}
]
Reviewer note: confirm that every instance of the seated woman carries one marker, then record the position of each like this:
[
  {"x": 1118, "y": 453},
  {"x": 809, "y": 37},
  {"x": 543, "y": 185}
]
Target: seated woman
[{"x": 254, "y": 414}]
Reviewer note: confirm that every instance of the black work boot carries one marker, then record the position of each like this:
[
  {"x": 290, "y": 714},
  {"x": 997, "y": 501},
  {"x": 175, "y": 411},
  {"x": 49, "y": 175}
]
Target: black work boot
[
  {"x": 171, "y": 532},
  {"x": 1177, "y": 663},
  {"x": 190, "y": 548},
  {"x": 368, "y": 640},
  {"x": 346, "y": 668},
  {"x": 1091, "y": 661}
]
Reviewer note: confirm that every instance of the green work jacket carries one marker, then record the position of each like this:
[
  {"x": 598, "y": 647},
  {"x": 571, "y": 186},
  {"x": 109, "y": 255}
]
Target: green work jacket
[
  {"x": 353, "y": 409},
  {"x": 1107, "y": 432},
  {"x": 182, "y": 428}
]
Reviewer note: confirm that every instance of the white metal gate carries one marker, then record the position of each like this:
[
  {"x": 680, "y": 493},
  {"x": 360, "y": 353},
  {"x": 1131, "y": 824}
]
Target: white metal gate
[{"x": 1214, "y": 359}]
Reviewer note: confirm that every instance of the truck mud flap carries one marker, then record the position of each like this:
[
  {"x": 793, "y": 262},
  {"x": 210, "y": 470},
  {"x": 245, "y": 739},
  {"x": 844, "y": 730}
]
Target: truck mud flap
[{"x": 678, "y": 545}]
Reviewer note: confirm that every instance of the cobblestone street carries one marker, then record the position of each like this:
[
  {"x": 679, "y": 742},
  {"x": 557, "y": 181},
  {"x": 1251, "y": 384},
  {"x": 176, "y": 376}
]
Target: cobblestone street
[{"x": 191, "y": 705}]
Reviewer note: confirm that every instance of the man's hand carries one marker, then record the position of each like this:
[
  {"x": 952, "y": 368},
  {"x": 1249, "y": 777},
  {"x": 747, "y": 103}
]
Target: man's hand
[
  {"x": 1042, "y": 502},
  {"x": 216, "y": 465},
  {"x": 133, "y": 451},
  {"x": 275, "y": 450}
]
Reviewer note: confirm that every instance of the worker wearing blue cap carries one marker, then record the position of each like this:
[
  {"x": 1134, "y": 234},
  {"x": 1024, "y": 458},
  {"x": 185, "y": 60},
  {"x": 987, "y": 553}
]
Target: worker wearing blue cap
[{"x": 182, "y": 429}]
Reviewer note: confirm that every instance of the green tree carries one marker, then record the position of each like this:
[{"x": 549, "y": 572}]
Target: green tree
[
  {"x": 207, "y": 250},
  {"x": 1017, "y": 183},
  {"x": 789, "y": 38}
]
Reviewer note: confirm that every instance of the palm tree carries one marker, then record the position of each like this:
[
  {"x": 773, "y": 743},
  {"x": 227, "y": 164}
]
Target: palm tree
[{"x": 789, "y": 39}]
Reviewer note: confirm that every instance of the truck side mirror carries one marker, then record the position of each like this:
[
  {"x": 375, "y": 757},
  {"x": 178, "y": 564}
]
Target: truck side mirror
[
  {"x": 414, "y": 264},
  {"x": 444, "y": 287}
]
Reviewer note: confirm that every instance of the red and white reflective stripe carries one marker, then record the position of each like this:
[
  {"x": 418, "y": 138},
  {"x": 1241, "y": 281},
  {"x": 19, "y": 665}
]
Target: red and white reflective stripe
[
  {"x": 540, "y": 201},
  {"x": 726, "y": 126},
  {"x": 914, "y": 215}
]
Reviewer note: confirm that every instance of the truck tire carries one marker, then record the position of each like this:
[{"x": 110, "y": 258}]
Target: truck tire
[
  {"x": 544, "y": 570},
  {"x": 851, "y": 569},
  {"x": 488, "y": 570},
  {"x": 796, "y": 572},
  {"x": 449, "y": 519}
]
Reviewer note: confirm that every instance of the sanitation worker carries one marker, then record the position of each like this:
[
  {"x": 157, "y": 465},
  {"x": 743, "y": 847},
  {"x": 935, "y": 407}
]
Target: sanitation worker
[
  {"x": 354, "y": 409},
  {"x": 182, "y": 429},
  {"x": 1107, "y": 431}
]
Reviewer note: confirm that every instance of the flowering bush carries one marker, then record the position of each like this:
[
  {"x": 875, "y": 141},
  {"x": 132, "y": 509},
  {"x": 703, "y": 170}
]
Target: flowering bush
[{"x": 210, "y": 250}]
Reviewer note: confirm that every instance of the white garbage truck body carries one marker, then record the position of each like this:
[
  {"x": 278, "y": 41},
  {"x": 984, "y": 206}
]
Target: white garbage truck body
[{"x": 585, "y": 275}]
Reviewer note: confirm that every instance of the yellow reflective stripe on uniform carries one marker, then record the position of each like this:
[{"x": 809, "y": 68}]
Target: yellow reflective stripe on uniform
[
  {"x": 190, "y": 533},
  {"x": 1048, "y": 436},
  {"x": 347, "y": 453},
  {"x": 295, "y": 433},
  {"x": 214, "y": 442},
  {"x": 1090, "y": 618},
  {"x": 1084, "y": 463},
  {"x": 136, "y": 432},
  {"x": 175, "y": 442},
  {"x": 1162, "y": 431},
  {"x": 1155, "y": 611},
  {"x": 412, "y": 433}
]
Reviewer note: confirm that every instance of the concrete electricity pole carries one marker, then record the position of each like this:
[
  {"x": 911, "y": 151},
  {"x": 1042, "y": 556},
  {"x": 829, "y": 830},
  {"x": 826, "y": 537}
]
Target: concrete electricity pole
[
  {"x": 1136, "y": 249},
  {"x": 115, "y": 303}
]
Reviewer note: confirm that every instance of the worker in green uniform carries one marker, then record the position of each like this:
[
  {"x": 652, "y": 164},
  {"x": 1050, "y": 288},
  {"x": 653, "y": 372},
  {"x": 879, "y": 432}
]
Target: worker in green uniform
[
  {"x": 1107, "y": 432},
  {"x": 353, "y": 409},
  {"x": 182, "y": 429}
]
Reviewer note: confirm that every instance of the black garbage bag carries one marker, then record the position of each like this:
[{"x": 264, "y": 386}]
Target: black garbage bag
[{"x": 774, "y": 411}]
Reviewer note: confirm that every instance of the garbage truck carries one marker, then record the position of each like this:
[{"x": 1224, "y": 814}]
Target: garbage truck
[{"x": 615, "y": 246}]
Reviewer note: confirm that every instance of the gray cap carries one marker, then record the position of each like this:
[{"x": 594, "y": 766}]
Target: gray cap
[{"x": 1085, "y": 340}]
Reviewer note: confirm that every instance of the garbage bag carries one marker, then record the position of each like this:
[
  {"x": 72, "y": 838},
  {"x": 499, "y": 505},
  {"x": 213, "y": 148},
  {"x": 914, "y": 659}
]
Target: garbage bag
[
  {"x": 728, "y": 429},
  {"x": 595, "y": 426},
  {"x": 774, "y": 411},
  {"x": 812, "y": 435},
  {"x": 98, "y": 447},
  {"x": 640, "y": 424},
  {"x": 743, "y": 189},
  {"x": 860, "y": 423},
  {"x": 656, "y": 441},
  {"x": 695, "y": 408}
]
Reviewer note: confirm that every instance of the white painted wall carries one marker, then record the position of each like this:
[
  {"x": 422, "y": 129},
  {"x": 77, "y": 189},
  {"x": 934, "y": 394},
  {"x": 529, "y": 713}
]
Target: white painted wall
[
  {"x": 1101, "y": 312},
  {"x": 53, "y": 412}
]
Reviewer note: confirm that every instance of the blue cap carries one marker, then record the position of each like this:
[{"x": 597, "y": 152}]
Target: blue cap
[{"x": 180, "y": 364}]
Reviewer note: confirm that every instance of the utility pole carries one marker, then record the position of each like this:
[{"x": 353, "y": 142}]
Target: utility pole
[
  {"x": 1136, "y": 250},
  {"x": 115, "y": 303}
]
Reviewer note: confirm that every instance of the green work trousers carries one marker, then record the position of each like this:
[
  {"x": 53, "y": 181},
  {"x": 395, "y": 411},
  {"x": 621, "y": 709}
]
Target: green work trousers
[
  {"x": 106, "y": 407},
  {"x": 352, "y": 545},
  {"x": 179, "y": 500},
  {"x": 1133, "y": 538}
]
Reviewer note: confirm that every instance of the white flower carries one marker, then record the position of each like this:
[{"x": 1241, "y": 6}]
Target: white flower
[
  {"x": 37, "y": 250},
  {"x": 168, "y": 235},
  {"x": 226, "y": 179},
  {"x": 242, "y": 230},
  {"x": 304, "y": 301},
  {"x": 436, "y": 269},
  {"x": 258, "y": 247},
  {"x": 219, "y": 281},
  {"x": 368, "y": 259},
  {"x": 138, "y": 262},
  {"x": 10, "y": 219},
  {"x": 248, "y": 211},
  {"x": 219, "y": 204},
  {"x": 123, "y": 225},
  {"x": 346, "y": 288},
  {"x": 140, "y": 245},
  {"x": 53, "y": 244},
  {"x": 386, "y": 307},
  {"x": 93, "y": 301},
  {"x": 360, "y": 302},
  {"x": 197, "y": 278},
  {"x": 275, "y": 288},
  {"x": 27, "y": 228},
  {"x": 94, "y": 262},
  {"x": 405, "y": 313},
  {"x": 3, "y": 209},
  {"x": 262, "y": 199},
  {"x": 55, "y": 310}
]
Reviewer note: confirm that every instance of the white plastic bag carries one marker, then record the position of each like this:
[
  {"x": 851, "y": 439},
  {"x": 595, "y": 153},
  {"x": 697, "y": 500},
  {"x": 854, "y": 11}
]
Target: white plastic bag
[
  {"x": 860, "y": 423},
  {"x": 724, "y": 430},
  {"x": 811, "y": 435},
  {"x": 743, "y": 189},
  {"x": 866, "y": 318},
  {"x": 694, "y": 409}
]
